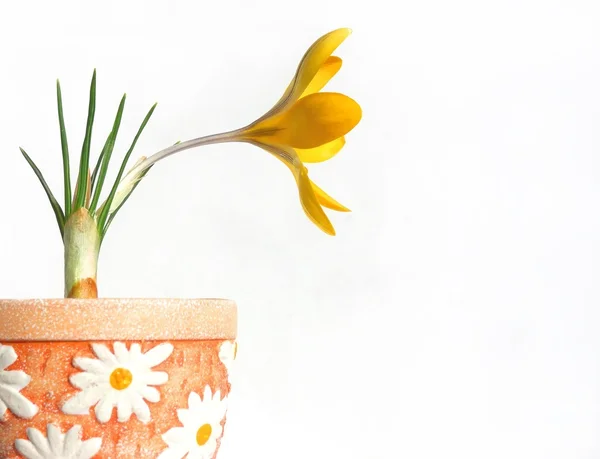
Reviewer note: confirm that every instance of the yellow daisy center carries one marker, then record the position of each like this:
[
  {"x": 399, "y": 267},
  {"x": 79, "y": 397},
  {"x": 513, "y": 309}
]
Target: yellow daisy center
[
  {"x": 121, "y": 378},
  {"x": 203, "y": 434}
]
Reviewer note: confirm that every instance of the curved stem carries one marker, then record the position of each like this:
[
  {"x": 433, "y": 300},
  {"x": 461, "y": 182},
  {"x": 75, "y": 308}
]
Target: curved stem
[{"x": 230, "y": 136}]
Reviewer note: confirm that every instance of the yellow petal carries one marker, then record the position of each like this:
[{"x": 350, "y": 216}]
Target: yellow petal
[
  {"x": 313, "y": 121},
  {"x": 322, "y": 153},
  {"x": 326, "y": 200},
  {"x": 310, "y": 64},
  {"x": 310, "y": 203},
  {"x": 327, "y": 71},
  {"x": 308, "y": 198}
]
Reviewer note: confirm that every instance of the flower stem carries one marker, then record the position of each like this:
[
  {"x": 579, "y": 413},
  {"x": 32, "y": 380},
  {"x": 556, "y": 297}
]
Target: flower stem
[
  {"x": 206, "y": 140},
  {"x": 82, "y": 244}
]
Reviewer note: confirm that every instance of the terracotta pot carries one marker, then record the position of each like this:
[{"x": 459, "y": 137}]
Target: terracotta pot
[{"x": 111, "y": 378}]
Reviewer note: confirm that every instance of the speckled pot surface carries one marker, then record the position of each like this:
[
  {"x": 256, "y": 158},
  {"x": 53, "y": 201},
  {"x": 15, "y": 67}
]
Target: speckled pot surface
[{"x": 112, "y": 378}]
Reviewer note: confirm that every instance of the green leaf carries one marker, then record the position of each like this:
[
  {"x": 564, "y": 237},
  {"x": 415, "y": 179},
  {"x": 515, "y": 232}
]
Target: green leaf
[
  {"x": 58, "y": 212},
  {"x": 99, "y": 162},
  {"x": 65, "y": 151},
  {"x": 107, "y": 154},
  {"x": 107, "y": 205},
  {"x": 84, "y": 163},
  {"x": 112, "y": 216}
]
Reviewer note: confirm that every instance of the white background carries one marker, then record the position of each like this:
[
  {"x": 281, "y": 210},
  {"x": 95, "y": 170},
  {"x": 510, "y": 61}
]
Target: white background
[{"x": 455, "y": 315}]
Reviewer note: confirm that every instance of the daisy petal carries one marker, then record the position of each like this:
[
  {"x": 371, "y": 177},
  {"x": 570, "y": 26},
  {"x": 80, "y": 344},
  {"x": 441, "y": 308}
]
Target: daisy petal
[
  {"x": 121, "y": 353},
  {"x": 194, "y": 400},
  {"x": 3, "y": 409},
  {"x": 72, "y": 438},
  {"x": 81, "y": 402},
  {"x": 150, "y": 393},
  {"x": 105, "y": 407},
  {"x": 17, "y": 379},
  {"x": 91, "y": 365},
  {"x": 200, "y": 453},
  {"x": 26, "y": 449},
  {"x": 8, "y": 356},
  {"x": 326, "y": 200},
  {"x": 135, "y": 352},
  {"x": 185, "y": 416},
  {"x": 157, "y": 354},
  {"x": 54, "y": 440},
  {"x": 17, "y": 403},
  {"x": 175, "y": 436},
  {"x": 321, "y": 153},
  {"x": 140, "y": 408},
  {"x": 124, "y": 409},
  {"x": 172, "y": 453},
  {"x": 105, "y": 355},
  {"x": 90, "y": 448},
  {"x": 155, "y": 378},
  {"x": 83, "y": 380},
  {"x": 39, "y": 441}
]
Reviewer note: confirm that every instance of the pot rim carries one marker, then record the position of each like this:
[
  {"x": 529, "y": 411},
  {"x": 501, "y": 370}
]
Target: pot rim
[{"x": 65, "y": 319}]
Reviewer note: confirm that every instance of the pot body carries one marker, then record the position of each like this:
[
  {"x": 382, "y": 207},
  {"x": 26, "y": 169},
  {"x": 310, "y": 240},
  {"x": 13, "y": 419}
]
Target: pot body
[{"x": 110, "y": 378}]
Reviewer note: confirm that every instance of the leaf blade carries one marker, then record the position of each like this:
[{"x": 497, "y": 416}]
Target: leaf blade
[
  {"x": 58, "y": 212},
  {"x": 84, "y": 162},
  {"x": 65, "y": 151},
  {"x": 100, "y": 158},
  {"x": 108, "y": 203},
  {"x": 107, "y": 154}
]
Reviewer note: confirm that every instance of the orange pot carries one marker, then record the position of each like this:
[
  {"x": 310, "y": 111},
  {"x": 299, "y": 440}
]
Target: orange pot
[{"x": 114, "y": 378}]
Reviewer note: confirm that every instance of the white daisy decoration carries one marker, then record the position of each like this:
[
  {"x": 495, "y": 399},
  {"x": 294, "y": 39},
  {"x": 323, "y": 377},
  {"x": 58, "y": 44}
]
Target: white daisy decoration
[
  {"x": 11, "y": 383},
  {"x": 57, "y": 445},
  {"x": 122, "y": 379},
  {"x": 201, "y": 428},
  {"x": 228, "y": 354}
]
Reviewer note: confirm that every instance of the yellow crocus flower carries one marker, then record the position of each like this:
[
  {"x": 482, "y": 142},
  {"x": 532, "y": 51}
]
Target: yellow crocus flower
[{"x": 304, "y": 126}]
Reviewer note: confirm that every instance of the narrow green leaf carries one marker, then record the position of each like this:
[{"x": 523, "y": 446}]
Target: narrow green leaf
[
  {"x": 106, "y": 207},
  {"x": 100, "y": 158},
  {"x": 84, "y": 163},
  {"x": 58, "y": 212},
  {"x": 65, "y": 151},
  {"x": 107, "y": 154},
  {"x": 112, "y": 216}
]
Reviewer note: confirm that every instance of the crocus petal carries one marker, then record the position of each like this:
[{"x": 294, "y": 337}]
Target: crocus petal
[
  {"x": 313, "y": 121},
  {"x": 326, "y": 200},
  {"x": 322, "y": 153},
  {"x": 327, "y": 71},
  {"x": 308, "y": 198},
  {"x": 309, "y": 66},
  {"x": 311, "y": 205}
]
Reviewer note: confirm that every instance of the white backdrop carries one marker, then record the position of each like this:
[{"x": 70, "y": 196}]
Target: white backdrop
[{"x": 455, "y": 315}]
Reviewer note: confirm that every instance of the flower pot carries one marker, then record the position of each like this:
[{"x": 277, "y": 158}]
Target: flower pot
[{"x": 114, "y": 378}]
